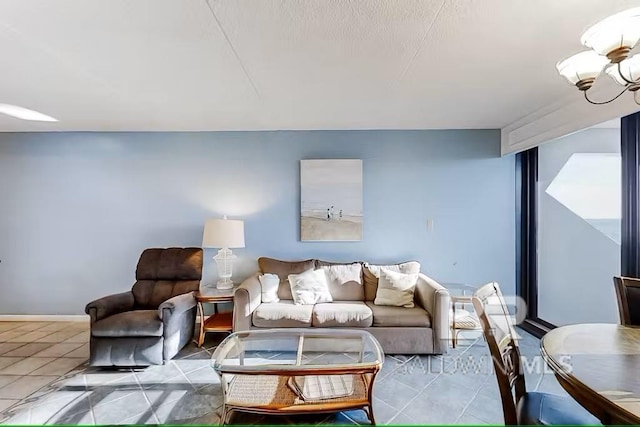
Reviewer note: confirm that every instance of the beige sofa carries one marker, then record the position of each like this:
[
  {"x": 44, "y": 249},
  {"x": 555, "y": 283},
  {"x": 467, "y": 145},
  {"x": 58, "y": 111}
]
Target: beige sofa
[{"x": 423, "y": 329}]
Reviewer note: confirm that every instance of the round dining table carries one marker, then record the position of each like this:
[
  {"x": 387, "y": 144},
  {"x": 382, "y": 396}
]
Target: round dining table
[{"x": 599, "y": 366}]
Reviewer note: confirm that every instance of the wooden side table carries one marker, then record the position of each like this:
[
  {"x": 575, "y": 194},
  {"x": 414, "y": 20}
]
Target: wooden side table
[{"x": 217, "y": 322}]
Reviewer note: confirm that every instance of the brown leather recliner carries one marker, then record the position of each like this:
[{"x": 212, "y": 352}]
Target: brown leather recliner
[{"x": 151, "y": 323}]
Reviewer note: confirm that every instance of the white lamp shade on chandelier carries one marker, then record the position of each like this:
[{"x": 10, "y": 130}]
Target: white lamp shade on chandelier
[
  {"x": 611, "y": 41},
  {"x": 224, "y": 234},
  {"x": 582, "y": 66},
  {"x": 630, "y": 68},
  {"x": 619, "y": 31}
]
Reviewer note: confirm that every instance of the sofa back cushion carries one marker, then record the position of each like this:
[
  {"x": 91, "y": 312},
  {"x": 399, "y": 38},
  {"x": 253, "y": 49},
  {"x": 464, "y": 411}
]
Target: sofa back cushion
[
  {"x": 371, "y": 273},
  {"x": 345, "y": 280},
  {"x": 165, "y": 273},
  {"x": 283, "y": 269}
]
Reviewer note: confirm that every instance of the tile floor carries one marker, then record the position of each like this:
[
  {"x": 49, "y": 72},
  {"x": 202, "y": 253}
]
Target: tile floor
[{"x": 44, "y": 379}]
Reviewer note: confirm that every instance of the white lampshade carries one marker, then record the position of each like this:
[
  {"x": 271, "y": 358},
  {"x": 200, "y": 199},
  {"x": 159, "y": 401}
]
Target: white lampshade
[
  {"x": 621, "y": 30},
  {"x": 582, "y": 66},
  {"x": 630, "y": 68},
  {"x": 223, "y": 233}
]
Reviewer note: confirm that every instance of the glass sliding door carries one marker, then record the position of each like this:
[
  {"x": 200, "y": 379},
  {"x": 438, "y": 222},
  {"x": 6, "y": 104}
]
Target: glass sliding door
[{"x": 578, "y": 227}]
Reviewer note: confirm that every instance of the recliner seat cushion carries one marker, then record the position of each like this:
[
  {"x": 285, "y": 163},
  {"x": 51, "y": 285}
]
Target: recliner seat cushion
[
  {"x": 388, "y": 316},
  {"x": 136, "y": 323},
  {"x": 283, "y": 314},
  {"x": 550, "y": 409},
  {"x": 352, "y": 314}
]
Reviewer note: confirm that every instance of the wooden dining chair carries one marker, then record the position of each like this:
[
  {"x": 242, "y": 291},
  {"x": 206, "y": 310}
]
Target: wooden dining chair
[
  {"x": 628, "y": 293},
  {"x": 518, "y": 405}
]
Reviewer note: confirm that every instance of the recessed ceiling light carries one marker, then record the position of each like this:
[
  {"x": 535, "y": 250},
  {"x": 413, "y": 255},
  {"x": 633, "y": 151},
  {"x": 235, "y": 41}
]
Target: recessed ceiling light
[{"x": 25, "y": 113}]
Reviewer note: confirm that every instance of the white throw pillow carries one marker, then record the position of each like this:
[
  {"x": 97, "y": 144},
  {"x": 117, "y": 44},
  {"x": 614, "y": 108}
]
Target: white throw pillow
[
  {"x": 396, "y": 289},
  {"x": 269, "y": 284},
  {"x": 309, "y": 287}
]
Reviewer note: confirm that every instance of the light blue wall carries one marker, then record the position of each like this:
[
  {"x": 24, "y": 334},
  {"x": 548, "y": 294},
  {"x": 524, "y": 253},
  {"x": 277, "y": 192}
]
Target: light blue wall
[{"x": 76, "y": 209}]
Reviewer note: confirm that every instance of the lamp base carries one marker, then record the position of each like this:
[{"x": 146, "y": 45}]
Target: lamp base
[
  {"x": 223, "y": 259},
  {"x": 225, "y": 283}
]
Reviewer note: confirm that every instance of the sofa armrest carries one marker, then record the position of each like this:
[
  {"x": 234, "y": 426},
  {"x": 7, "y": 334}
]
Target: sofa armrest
[
  {"x": 435, "y": 298},
  {"x": 175, "y": 306},
  {"x": 109, "y": 305},
  {"x": 246, "y": 299}
]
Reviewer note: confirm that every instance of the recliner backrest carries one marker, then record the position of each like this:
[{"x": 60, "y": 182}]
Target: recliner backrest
[{"x": 165, "y": 273}]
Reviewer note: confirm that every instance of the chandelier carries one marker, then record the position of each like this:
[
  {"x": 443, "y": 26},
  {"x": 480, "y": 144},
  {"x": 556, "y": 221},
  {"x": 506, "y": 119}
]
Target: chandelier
[{"x": 611, "y": 40}]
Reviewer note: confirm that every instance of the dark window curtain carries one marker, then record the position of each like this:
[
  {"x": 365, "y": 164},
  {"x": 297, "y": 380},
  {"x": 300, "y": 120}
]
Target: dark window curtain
[{"x": 630, "y": 142}]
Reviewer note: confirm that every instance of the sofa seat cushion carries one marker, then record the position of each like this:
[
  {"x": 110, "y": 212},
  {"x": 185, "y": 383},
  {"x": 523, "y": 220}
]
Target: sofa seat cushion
[
  {"x": 283, "y": 314},
  {"x": 351, "y": 314},
  {"x": 136, "y": 323},
  {"x": 384, "y": 315}
]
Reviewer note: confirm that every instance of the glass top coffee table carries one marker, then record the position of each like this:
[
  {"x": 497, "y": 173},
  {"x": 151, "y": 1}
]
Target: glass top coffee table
[{"x": 296, "y": 371}]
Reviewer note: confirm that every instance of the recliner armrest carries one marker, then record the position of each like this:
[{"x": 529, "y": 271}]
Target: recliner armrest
[
  {"x": 176, "y": 305},
  {"x": 246, "y": 299},
  {"x": 110, "y": 305},
  {"x": 435, "y": 298}
]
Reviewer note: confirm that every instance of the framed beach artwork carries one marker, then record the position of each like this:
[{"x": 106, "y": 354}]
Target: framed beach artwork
[{"x": 331, "y": 200}]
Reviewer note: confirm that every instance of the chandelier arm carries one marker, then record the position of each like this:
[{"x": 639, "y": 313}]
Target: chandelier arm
[
  {"x": 604, "y": 102},
  {"x": 623, "y": 77}
]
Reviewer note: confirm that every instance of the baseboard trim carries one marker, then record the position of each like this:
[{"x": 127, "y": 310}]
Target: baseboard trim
[{"x": 44, "y": 318}]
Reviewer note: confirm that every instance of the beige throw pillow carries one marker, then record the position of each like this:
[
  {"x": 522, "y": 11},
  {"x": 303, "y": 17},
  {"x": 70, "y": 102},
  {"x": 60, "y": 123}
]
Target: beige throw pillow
[
  {"x": 396, "y": 289},
  {"x": 269, "y": 284},
  {"x": 309, "y": 287}
]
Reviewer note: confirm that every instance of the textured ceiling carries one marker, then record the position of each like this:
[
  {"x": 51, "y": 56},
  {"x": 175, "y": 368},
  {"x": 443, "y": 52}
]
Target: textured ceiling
[{"x": 285, "y": 64}]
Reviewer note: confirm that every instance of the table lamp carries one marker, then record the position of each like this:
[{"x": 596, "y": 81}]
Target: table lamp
[{"x": 224, "y": 234}]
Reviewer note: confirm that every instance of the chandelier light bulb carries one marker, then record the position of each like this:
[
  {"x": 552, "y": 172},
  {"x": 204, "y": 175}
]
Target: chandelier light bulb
[
  {"x": 614, "y": 36},
  {"x": 582, "y": 68}
]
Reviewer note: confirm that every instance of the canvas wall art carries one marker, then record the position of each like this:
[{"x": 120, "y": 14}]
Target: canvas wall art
[{"x": 331, "y": 200}]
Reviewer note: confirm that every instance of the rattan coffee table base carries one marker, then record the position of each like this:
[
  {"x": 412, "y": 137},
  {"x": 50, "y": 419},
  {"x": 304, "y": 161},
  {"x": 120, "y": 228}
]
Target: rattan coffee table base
[{"x": 270, "y": 394}]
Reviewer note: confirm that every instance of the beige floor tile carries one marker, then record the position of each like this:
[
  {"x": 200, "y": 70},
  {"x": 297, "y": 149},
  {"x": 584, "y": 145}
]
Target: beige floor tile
[
  {"x": 30, "y": 326},
  {"x": 8, "y": 346},
  {"x": 82, "y": 337},
  {"x": 7, "y": 326},
  {"x": 57, "y": 350},
  {"x": 77, "y": 326},
  {"x": 59, "y": 366},
  {"x": 59, "y": 336},
  {"x": 8, "y": 335},
  {"x": 82, "y": 351},
  {"x": 27, "y": 336},
  {"x": 27, "y": 350},
  {"x": 8, "y": 361},
  {"x": 24, "y": 386},
  {"x": 26, "y": 366},
  {"x": 55, "y": 326},
  {"x": 8, "y": 379},
  {"x": 7, "y": 403}
]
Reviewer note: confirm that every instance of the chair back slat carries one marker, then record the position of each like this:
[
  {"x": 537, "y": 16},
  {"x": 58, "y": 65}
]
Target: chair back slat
[{"x": 500, "y": 336}]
